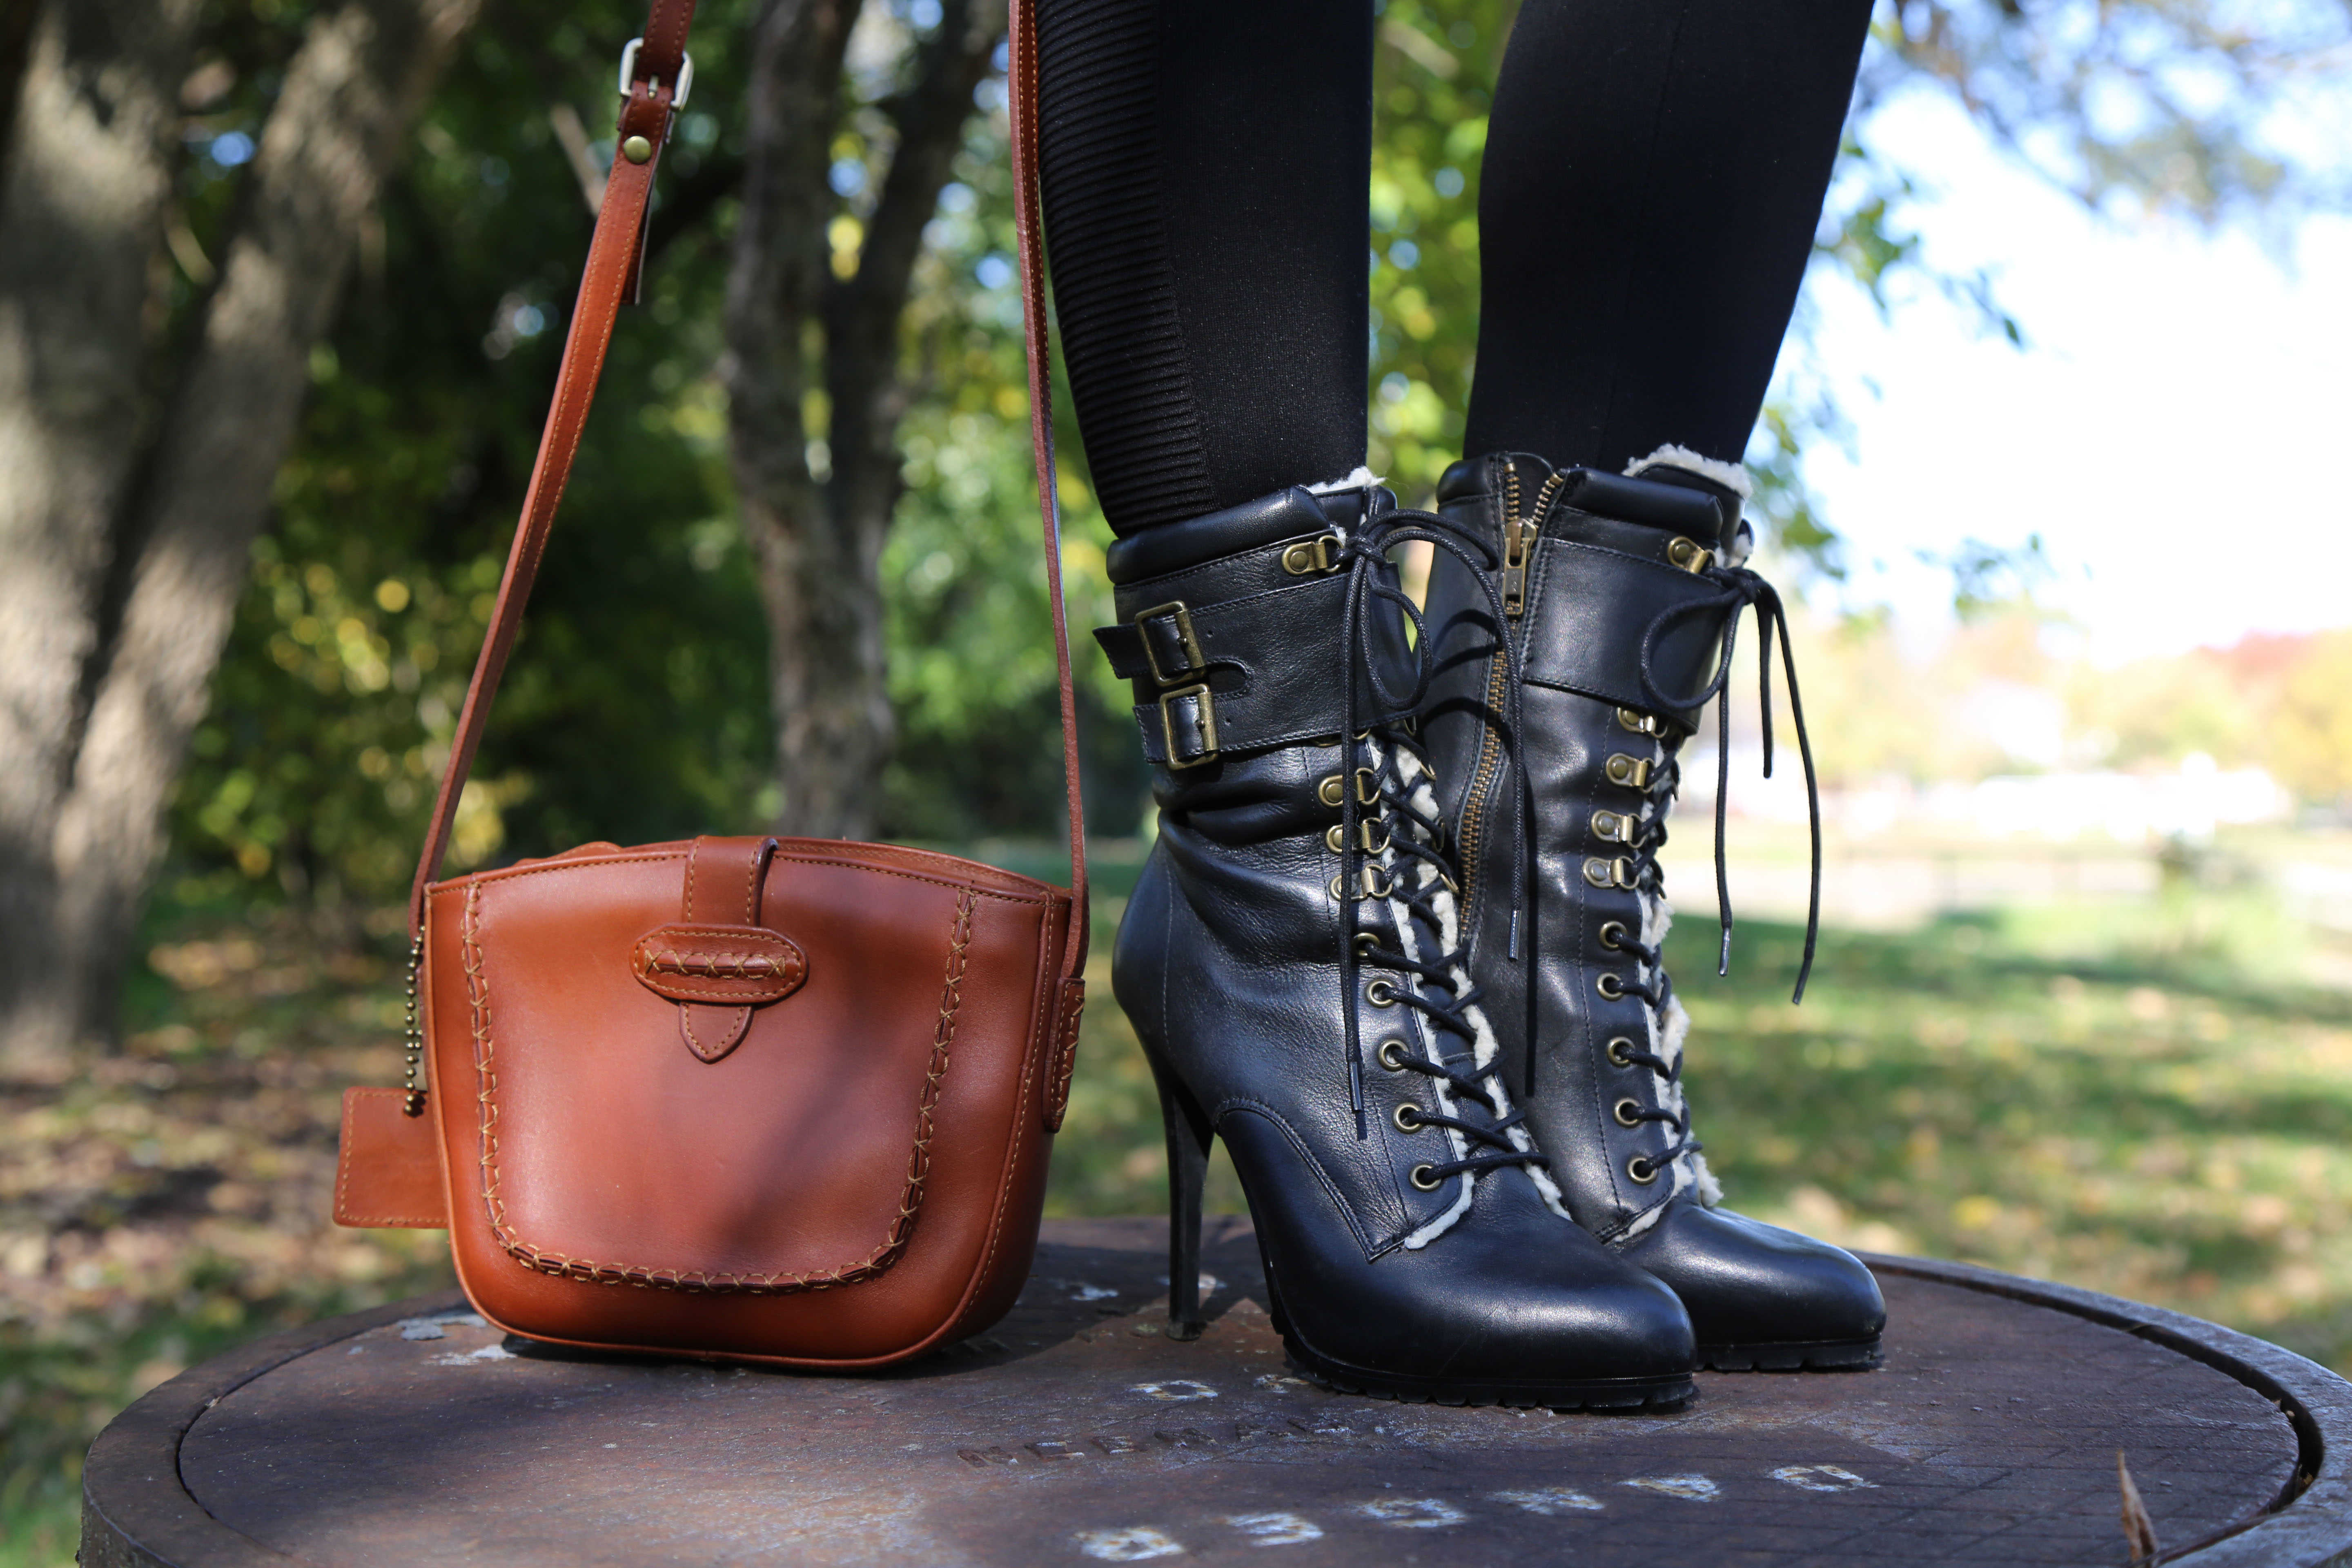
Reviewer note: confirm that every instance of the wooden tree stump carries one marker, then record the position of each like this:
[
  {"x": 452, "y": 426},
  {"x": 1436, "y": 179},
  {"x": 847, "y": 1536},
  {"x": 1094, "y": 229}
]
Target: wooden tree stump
[{"x": 1076, "y": 1432}]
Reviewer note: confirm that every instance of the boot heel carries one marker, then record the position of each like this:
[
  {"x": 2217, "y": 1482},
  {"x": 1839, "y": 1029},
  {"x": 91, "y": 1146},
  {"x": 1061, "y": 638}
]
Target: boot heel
[{"x": 1189, "y": 1135}]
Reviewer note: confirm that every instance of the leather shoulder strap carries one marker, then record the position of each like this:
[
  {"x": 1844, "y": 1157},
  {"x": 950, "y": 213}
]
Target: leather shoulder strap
[
  {"x": 1029, "y": 227},
  {"x": 606, "y": 282}
]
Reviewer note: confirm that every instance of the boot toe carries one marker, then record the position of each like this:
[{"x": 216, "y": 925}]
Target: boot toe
[{"x": 1760, "y": 1296}]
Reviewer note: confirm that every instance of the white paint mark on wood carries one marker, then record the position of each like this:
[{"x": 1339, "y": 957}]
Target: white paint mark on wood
[
  {"x": 1821, "y": 1479},
  {"x": 1093, "y": 1293},
  {"x": 1692, "y": 1488},
  {"x": 1552, "y": 1502},
  {"x": 476, "y": 1358},
  {"x": 1412, "y": 1513},
  {"x": 1275, "y": 1529},
  {"x": 1176, "y": 1390},
  {"x": 1135, "y": 1543}
]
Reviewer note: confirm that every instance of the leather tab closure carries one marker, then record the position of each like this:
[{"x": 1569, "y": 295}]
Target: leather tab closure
[
  {"x": 742, "y": 966},
  {"x": 723, "y": 880}
]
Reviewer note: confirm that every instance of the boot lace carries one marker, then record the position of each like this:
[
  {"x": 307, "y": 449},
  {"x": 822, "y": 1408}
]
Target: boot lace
[
  {"x": 1737, "y": 589},
  {"x": 1431, "y": 974}
]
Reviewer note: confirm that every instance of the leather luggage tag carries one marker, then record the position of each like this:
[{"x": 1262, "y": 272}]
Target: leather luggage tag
[
  {"x": 388, "y": 1171},
  {"x": 717, "y": 972}
]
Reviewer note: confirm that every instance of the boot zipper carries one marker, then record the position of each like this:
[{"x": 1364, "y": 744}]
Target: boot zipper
[{"x": 1520, "y": 530}]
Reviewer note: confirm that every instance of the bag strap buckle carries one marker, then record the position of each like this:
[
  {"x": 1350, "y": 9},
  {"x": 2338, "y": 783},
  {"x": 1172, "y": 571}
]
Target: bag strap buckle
[{"x": 629, "y": 73}]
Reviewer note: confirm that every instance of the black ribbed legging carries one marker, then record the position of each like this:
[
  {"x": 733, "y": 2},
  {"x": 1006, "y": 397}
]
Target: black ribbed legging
[{"x": 1654, "y": 175}]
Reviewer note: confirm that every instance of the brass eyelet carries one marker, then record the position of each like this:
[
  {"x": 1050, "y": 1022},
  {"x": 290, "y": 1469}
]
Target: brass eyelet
[
  {"x": 1619, "y": 1048},
  {"x": 1610, "y": 984},
  {"x": 1689, "y": 554},
  {"x": 1425, "y": 1179},
  {"x": 1392, "y": 1054},
  {"x": 1374, "y": 881},
  {"x": 1312, "y": 557},
  {"x": 1629, "y": 772},
  {"x": 1364, "y": 835},
  {"x": 1639, "y": 722},
  {"x": 1612, "y": 935},
  {"x": 1407, "y": 1118},
  {"x": 1367, "y": 788},
  {"x": 1380, "y": 993},
  {"x": 1365, "y": 943},
  {"x": 1629, "y": 1113},
  {"x": 1643, "y": 1172}
]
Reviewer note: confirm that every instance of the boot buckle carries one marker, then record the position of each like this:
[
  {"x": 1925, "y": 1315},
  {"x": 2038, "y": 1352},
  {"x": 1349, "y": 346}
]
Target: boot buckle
[
  {"x": 1202, "y": 721},
  {"x": 1167, "y": 628}
]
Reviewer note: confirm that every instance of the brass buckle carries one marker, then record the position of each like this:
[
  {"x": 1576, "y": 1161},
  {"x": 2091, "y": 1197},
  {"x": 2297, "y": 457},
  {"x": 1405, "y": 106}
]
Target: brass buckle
[
  {"x": 1310, "y": 557},
  {"x": 1208, "y": 724},
  {"x": 1184, "y": 640}
]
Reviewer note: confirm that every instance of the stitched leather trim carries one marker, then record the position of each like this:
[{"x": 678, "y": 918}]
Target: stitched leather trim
[
  {"x": 739, "y": 965},
  {"x": 1066, "y": 1054},
  {"x": 593, "y": 1271}
]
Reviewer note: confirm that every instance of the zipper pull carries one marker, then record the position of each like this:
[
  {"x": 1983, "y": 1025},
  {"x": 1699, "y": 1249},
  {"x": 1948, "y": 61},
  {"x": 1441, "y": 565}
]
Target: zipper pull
[
  {"x": 1515, "y": 566},
  {"x": 1518, "y": 537}
]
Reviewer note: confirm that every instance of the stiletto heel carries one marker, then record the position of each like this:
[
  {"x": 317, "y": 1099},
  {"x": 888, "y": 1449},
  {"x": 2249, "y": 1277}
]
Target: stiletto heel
[{"x": 1189, "y": 1136}]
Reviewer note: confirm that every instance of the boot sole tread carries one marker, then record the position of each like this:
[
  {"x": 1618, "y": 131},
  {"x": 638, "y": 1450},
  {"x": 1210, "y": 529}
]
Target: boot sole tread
[
  {"x": 1629, "y": 1393},
  {"x": 1847, "y": 1355}
]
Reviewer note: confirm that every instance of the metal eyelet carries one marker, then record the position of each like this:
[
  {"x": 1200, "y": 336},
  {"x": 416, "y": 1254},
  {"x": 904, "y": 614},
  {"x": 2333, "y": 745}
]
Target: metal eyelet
[
  {"x": 1380, "y": 993},
  {"x": 1367, "y": 788},
  {"x": 1312, "y": 557},
  {"x": 1639, "y": 722},
  {"x": 1629, "y": 1113},
  {"x": 1374, "y": 881},
  {"x": 1616, "y": 827},
  {"x": 1365, "y": 943},
  {"x": 1392, "y": 1054},
  {"x": 1619, "y": 1049},
  {"x": 1407, "y": 1118},
  {"x": 1629, "y": 772},
  {"x": 1610, "y": 984},
  {"x": 1643, "y": 1172},
  {"x": 1424, "y": 1178},
  {"x": 1612, "y": 935},
  {"x": 1364, "y": 830},
  {"x": 1617, "y": 873},
  {"x": 1689, "y": 554}
]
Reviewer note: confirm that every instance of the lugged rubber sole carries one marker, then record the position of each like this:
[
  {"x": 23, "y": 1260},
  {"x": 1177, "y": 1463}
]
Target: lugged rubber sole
[
  {"x": 1594, "y": 1393},
  {"x": 1821, "y": 1355}
]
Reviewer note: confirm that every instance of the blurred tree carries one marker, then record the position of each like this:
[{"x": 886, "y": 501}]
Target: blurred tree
[
  {"x": 139, "y": 448},
  {"x": 816, "y": 462},
  {"x": 812, "y": 426}
]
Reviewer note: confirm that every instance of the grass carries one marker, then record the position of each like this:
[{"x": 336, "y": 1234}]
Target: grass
[{"x": 2143, "y": 1098}]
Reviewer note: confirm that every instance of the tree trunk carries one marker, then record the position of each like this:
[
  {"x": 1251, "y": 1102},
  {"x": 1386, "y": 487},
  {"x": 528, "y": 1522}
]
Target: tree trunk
[
  {"x": 82, "y": 208},
  {"x": 181, "y": 536},
  {"x": 817, "y": 532}
]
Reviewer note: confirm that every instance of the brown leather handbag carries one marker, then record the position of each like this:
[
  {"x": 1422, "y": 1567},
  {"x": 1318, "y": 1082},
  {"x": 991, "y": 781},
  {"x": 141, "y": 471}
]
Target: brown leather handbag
[{"x": 775, "y": 1099}]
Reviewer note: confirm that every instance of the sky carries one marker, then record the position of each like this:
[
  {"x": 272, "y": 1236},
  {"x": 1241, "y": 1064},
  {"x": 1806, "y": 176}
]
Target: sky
[{"x": 2175, "y": 431}]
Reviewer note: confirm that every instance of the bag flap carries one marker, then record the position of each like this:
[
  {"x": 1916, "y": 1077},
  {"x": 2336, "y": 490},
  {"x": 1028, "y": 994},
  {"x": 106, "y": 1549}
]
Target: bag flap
[
  {"x": 388, "y": 1167},
  {"x": 792, "y": 1153}
]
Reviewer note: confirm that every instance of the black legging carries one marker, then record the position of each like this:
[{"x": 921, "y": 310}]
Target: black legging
[{"x": 1654, "y": 175}]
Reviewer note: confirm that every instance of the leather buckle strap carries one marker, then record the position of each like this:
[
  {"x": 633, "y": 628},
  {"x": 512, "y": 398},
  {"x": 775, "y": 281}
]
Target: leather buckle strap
[
  {"x": 1166, "y": 632},
  {"x": 1171, "y": 651},
  {"x": 1188, "y": 723}
]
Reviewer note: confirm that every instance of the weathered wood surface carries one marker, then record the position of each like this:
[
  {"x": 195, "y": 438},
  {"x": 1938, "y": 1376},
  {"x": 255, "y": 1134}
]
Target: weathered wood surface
[{"x": 1075, "y": 1432}]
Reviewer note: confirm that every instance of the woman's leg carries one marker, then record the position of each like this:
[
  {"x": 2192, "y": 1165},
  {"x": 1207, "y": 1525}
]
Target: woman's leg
[
  {"x": 1653, "y": 180},
  {"x": 1204, "y": 165}
]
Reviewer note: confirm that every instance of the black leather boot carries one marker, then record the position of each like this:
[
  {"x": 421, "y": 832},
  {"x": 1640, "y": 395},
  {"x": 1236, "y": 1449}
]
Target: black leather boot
[
  {"x": 1618, "y": 595},
  {"x": 1290, "y": 962}
]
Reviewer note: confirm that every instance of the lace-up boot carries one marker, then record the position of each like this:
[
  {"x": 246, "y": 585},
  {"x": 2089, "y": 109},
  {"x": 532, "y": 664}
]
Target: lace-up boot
[
  {"x": 1290, "y": 960},
  {"x": 1619, "y": 601}
]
